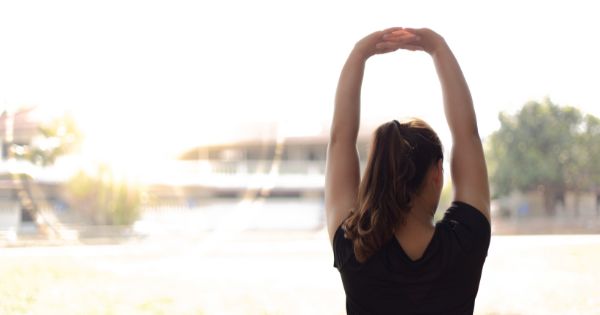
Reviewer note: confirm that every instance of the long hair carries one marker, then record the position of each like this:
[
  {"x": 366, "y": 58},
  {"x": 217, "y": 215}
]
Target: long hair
[{"x": 399, "y": 158}]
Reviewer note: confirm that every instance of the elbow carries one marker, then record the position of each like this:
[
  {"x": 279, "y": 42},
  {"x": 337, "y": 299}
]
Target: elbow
[
  {"x": 334, "y": 136},
  {"x": 469, "y": 131},
  {"x": 467, "y": 135}
]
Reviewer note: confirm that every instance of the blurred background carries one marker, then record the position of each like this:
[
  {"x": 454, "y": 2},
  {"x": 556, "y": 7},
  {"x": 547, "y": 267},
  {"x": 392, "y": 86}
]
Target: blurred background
[{"x": 167, "y": 157}]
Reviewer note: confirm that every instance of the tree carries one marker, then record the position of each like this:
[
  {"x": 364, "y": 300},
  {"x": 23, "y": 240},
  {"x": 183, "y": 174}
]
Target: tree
[
  {"x": 588, "y": 155},
  {"x": 60, "y": 136},
  {"x": 547, "y": 147}
]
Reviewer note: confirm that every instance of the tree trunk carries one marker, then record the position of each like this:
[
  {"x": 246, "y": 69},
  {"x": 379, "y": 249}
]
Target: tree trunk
[
  {"x": 576, "y": 205},
  {"x": 549, "y": 202},
  {"x": 552, "y": 196}
]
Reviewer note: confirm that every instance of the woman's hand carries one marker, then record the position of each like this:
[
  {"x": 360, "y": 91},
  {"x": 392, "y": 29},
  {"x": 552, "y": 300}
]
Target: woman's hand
[
  {"x": 386, "y": 41},
  {"x": 424, "y": 39}
]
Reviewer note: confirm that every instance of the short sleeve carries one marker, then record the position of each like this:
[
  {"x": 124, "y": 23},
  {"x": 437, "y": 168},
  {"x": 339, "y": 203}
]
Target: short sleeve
[
  {"x": 342, "y": 249},
  {"x": 469, "y": 225}
]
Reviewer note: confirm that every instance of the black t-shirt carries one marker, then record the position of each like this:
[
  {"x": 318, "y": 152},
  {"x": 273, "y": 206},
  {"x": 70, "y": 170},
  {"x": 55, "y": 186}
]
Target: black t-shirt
[{"x": 444, "y": 280}]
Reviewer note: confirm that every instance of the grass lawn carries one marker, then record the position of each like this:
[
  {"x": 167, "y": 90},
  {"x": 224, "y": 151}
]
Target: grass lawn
[
  {"x": 273, "y": 274},
  {"x": 62, "y": 285}
]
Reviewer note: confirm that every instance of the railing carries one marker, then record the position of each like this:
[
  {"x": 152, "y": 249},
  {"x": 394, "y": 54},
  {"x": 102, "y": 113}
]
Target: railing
[{"x": 293, "y": 167}]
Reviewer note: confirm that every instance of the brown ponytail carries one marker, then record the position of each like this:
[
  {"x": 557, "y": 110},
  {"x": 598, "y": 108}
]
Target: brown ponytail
[{"x": 400, "y": 156}]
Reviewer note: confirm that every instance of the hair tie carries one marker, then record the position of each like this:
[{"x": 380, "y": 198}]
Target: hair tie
[{"x": 402, "y": 129}]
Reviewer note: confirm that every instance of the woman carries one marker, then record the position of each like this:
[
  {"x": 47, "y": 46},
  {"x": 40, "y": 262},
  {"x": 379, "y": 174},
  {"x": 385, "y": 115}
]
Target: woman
[{"x": 391, "y": 256}]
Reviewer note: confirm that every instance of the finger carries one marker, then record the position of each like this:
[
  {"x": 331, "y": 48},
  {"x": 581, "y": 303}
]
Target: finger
[
  {"x": 389, "y": 31},
  {"x": 411, "y": 47},
  {"x": 385, "y": 47},
  {"x": 385, "y": 44},
  {"x": 392, "y": 29},
  {"x": 412, "y": 30},
  {"x": 396, "y": 41},
  {"x": 400, "y": 31},
  {"x": 401, "y": 37}
]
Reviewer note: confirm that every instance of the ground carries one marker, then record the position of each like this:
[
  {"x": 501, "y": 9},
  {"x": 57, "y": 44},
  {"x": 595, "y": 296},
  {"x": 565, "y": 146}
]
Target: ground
[{"x": 273, "y": 273}]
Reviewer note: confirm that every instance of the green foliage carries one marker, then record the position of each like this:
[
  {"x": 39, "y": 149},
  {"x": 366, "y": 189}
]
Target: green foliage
[
  {"x": 585, "y": 166},
  {"x": 544, "y": 146},
  {"x": 102, "y": 199},
  {"x": 59, "y": 137}
]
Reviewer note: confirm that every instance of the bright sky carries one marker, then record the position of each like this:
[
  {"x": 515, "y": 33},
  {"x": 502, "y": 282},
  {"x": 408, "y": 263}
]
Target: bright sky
[{"x": 152, "y": 77}]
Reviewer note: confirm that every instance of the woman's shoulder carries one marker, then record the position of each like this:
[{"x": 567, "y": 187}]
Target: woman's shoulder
[
  {"x": 467, "y": 214},
  {"x": 467, "y": 225}
]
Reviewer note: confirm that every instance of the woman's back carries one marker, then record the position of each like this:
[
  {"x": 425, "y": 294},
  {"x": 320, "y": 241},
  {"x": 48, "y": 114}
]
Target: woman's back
[{"x": 444, "y": 280}]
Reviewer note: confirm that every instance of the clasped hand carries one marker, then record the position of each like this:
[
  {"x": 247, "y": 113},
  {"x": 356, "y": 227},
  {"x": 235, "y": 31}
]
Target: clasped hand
[{"x": 395, "y": 38}]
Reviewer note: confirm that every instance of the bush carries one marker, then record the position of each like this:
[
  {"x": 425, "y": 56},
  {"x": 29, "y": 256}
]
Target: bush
[{"x": 103, "y": 200}]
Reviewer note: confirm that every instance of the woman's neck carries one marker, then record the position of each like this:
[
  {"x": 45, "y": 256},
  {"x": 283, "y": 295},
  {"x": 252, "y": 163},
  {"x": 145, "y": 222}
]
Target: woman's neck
[{"x": 421, "y": 214}]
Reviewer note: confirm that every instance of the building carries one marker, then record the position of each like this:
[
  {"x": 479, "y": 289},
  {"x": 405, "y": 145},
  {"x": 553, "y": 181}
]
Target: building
[{"x": 292, "y": 167}]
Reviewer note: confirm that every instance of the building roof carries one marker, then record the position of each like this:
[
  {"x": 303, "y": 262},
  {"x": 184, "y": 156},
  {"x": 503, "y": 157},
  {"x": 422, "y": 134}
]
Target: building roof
[{"x": 25, "y": 124}]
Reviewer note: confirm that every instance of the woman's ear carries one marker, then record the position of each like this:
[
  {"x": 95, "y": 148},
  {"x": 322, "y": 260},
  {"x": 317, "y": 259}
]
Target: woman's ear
[{"x": 437, "y": 171}]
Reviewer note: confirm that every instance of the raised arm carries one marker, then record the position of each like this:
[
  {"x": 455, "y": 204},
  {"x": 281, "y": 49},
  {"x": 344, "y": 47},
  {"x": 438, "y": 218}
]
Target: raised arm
[
  {"x": 342, "y": 176},
  {"x": 467, "y": 164}
]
